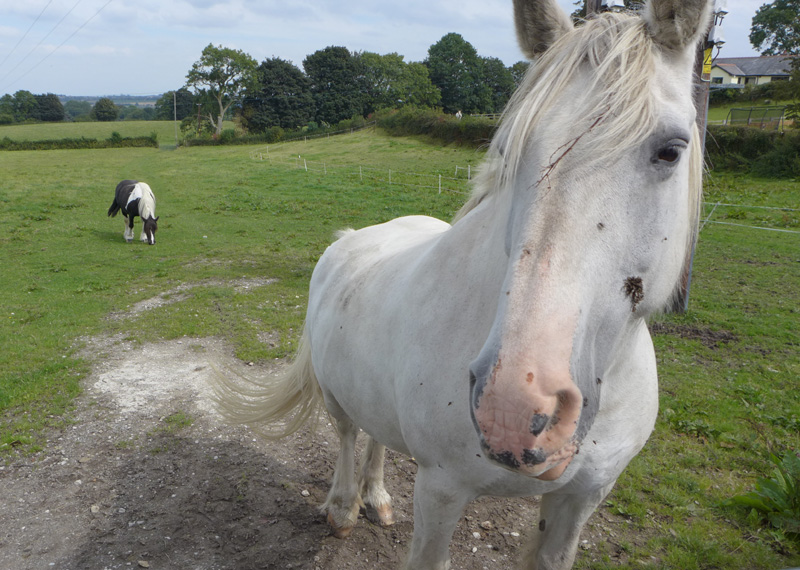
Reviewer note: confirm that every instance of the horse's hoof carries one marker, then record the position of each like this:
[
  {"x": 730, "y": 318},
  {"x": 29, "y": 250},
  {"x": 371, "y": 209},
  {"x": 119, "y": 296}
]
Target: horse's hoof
[
  {"x": 128, "y": 240},
  {"x": 339, "y": 532},
  {"x": 382, "y": 515}
]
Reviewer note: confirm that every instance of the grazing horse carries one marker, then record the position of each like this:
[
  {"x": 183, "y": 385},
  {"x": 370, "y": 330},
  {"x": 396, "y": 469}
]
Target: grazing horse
[
  {"x": 508, "y": 353},
  {"x": 136, "y": 198}
]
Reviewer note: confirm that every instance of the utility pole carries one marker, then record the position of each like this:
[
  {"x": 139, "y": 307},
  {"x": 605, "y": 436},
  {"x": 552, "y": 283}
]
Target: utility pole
[
  {"x": 713, "y": 37},
  {"x": 175, "y": 114}
]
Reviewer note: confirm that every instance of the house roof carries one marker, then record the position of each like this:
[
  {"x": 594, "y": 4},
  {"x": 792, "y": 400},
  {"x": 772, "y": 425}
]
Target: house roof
[{"x": 765, "y": 65}]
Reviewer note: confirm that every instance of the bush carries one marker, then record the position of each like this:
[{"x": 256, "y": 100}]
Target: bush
[
  {"x": 746, "y": 149},
  {"x": 116, "y": 141},
  {"x": 776, "y": 500},
  {"x": 445, "y": 128}
]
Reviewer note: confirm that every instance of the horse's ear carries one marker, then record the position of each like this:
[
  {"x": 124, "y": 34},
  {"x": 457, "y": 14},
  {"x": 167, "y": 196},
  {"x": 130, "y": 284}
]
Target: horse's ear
[
  {"x": 677, "y": 24},
  {"x": 156, "y": 219},
  {"x": 539, "y": 24}
]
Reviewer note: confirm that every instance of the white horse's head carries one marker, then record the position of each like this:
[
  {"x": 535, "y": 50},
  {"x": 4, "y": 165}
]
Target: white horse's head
[{"x": 598, "y": 166}]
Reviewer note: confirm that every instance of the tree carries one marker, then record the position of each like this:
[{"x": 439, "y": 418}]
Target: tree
[
  {"x": 172, "y": 103},
  {"x": 499, "y": 80},
  {"x": 222, "y": 75},
  {"x": 24, "y": 105},
  {"x": 391, "y": 82},
  {"x": 457, "y": 71},
  {"x": 518, "y": 71},
  {"x": 49, "y": 108},
  {"x": 105, "y": 110},
  {"x": 74, "y": 109},
  {"x": 283, "y": 98},
  {"x": 6, "y": 109},
  {"x": 337, "y": 84},
  {"x": 776, "y": 28}
]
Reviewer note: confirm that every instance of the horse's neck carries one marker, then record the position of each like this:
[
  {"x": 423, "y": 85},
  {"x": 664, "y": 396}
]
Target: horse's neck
[
  {"x": 478, "y": 240},
  {"x": 147, "y": 206}
]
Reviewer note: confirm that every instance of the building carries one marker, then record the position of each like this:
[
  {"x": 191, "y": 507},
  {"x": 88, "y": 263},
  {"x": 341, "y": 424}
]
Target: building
[{"x": 736, "y": 72}]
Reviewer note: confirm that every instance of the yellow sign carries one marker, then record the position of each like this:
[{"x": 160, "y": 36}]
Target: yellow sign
[{"x": 706, "y": 65}]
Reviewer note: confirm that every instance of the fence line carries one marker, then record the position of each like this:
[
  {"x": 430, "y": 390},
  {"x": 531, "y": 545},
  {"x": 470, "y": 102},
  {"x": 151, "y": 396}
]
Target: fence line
[
  {"x": 755, "y": 227},
  {"x": 754, "y": 207},
  {"x": 306, "y": 138},
  {"x": 445, "y": 183},
  {"x": 708, "y": 219},
  {"x": 391, "y": 177}
]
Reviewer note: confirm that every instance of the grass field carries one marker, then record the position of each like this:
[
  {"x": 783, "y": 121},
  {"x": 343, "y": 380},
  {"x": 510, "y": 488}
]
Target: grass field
[
  {"x": 94, "y": 130},
  {"x": 729, "y": 368},
  {"x": 720, "y": 112}
]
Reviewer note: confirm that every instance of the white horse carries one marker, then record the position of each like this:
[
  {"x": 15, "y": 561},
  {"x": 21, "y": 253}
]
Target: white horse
[{"x": 508, "y": 353}]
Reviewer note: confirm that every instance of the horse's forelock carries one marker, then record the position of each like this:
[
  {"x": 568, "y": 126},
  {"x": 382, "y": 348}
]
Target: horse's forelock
[{"x": 618, "y": 107}]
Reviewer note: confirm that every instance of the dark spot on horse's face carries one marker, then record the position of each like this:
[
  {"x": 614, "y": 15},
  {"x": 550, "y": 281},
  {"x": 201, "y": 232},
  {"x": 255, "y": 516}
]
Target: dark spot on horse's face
[
  {"x": 534, "y": 456},
  {"x": 538, "y": 423},
  {"x": 634, "y": 289},
  {"x": 600, "y": 225},
  {"x": 542, "y": 525}
]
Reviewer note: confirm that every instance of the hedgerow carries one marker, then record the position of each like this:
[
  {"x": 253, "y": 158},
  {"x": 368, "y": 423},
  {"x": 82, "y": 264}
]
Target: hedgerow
[{"x": 115, "y": 141}]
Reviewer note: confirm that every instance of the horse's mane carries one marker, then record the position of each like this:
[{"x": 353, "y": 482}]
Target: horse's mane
[
  {"x": 147, "y": 206},
  {"x": 618, "y": 109}
]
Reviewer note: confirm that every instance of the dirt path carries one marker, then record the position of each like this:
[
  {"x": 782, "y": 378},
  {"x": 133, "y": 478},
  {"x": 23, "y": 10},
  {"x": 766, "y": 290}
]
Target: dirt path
[{"x": 130, "y": 485}]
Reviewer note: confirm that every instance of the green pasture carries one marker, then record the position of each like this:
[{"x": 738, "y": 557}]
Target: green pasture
[
  {"x": 720, "y": 112},
  {"x": 94, "y": 130},
  {"x": 729, "y": 368}
]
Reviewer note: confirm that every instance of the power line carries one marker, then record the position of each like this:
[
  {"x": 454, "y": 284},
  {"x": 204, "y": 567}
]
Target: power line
[
  {"x": 25, "y": 35},
  {"x": 78, "y": 29},
  {"x": 47, "y": 35}
]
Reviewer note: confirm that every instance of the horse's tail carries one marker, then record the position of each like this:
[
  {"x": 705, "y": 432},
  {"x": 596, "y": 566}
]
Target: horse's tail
[
  {"x": 278, "y": 406},
  {"x": 112, "y": 211}
]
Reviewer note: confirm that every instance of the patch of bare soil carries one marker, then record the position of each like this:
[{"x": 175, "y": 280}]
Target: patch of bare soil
[
  {"x": 130, "y": 485},
  {"x": 709, "y": 338}
]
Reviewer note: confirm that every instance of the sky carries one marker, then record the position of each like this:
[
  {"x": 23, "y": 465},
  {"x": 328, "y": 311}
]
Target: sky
[{"x": 146, "y": 47}]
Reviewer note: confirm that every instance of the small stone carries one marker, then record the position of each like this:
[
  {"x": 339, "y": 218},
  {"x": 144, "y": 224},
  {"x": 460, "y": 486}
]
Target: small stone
[
  {"x": 144, "y": 564},
  {"x": 515, "y": 534},
  {"x": 95, "y": 509},
  {"x": 476, "y": 535},
  {"x": 474, "y": 549},
  {"x": 305, "y": 493},
  {"x": 486, "y": 525}
]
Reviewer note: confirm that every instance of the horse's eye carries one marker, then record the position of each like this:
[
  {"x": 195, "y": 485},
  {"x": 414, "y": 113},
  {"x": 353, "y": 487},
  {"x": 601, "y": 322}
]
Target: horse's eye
[{"x": 669, "y": 154}]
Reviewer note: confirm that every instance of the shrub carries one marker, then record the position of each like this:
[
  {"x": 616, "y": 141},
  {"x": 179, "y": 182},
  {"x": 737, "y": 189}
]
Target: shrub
[
  {"x": 434, "y": 123},
  {"x": 746, "y": 149},
  {"x": 116, "y": 141},
  {"x": 776, "y": 500}
]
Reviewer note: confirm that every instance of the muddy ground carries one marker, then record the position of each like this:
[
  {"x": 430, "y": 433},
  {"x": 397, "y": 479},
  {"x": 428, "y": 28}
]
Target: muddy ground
[{"x": 148, "y": 475}]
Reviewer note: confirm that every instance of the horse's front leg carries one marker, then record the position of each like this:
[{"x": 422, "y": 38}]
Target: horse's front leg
[
  {"x": 128, "y": 228},
  {"x": 561, "y": 519},
  {"x": 438, "y": 504},
  {"x": 370, "y": 481},
  {"x": 343, "y": 502}
]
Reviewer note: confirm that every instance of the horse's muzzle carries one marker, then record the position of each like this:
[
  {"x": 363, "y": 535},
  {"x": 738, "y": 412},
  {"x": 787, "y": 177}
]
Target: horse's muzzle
[{"x": 526, "y": 421}]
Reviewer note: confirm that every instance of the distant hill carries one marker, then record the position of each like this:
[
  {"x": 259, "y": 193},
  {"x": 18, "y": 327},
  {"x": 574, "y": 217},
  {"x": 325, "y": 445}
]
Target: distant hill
[{"x": 135, "y": 100}]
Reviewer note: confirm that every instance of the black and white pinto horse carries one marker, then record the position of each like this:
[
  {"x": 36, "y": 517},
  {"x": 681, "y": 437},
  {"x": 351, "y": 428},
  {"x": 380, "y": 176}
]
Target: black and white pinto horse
[{"x": 136, "y": 198}]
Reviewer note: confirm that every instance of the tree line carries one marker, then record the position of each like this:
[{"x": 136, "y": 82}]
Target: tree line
[
  {"x": 334, "y": 84},
  {"x": 24, "y": 106}
]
